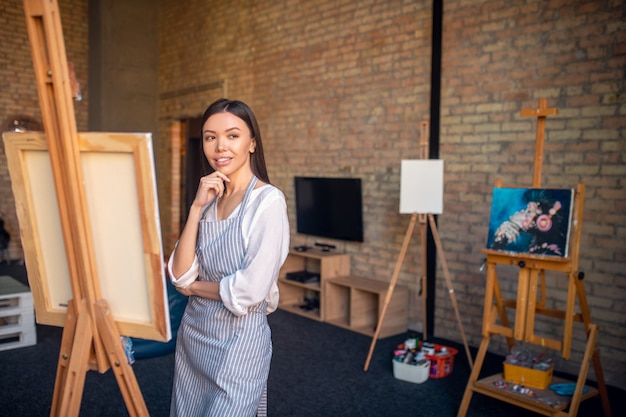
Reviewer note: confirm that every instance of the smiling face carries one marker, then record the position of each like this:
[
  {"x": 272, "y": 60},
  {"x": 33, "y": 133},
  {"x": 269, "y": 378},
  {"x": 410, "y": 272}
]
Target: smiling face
[{"x": 227, "y": 144}]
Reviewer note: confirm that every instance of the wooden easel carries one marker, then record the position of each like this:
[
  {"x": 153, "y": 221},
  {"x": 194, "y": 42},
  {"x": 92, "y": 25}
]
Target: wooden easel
[
  {"x": 400, "y": 260},
  {"x": 531, "y": 301},
  {"x": 90, "y": 338}
]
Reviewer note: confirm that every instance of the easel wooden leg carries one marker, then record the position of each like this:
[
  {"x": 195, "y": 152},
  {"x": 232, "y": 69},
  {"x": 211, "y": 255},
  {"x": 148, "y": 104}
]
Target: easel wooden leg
[
  {"x": 531, "y": 304},
  {"x": 446, "y": 274},
  {"x": 480, "y": 357},
  {"x": 504, "y": 319},
  {"x": 73, "y": 367},
  {"x": 69, "y": 332},
  {"x": 597, "y": 365},
  {"x": 604, "y": 395},
  {"x": 521, "y": 304},
  {"x": 392, "y": 284},
  {"x": 569, "y": 316},
  {"x": 119, "y": 363},
  {"x": 490, "y": 293},
  {"x": 74, "y": 360},
  {"x": 590, "y": 353}
]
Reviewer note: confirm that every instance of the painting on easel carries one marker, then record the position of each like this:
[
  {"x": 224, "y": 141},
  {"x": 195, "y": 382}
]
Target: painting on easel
[{"x": 533, "y": 221}]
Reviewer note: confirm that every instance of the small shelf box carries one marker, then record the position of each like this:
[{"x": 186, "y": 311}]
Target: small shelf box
[
  {"x": 307, "y": 298},
  {"x": 529, "y": 377},
  {"x": 356, "y": 303},
  {"x": 17, "y": 315}
]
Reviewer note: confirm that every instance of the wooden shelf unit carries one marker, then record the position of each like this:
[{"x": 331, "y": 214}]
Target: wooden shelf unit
[
  {"x": 294, "y": 293},
  {"x": 345, "y": 300},
  {"x": 356, "y": 303}
]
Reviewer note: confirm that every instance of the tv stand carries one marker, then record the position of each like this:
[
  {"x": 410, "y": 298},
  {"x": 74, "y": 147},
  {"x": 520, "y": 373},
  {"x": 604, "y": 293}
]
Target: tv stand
[
  {"x": 349, "y": 301},
  {"x": 325, "y": 247},
  {"x": 294, "y": 294}
]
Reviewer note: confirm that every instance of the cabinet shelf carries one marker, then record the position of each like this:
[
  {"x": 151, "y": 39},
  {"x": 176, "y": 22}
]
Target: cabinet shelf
[
  {"x": 297, "y": 309},
  {"x": 311, "y": 286},
  {"x": 294, "y": 295},
  {"x": 356, "y": 303},
  {"x": 348, "y": 301}
]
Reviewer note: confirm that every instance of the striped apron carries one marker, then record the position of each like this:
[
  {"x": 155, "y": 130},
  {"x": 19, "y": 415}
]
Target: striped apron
[{"x": 222, "y": 360}]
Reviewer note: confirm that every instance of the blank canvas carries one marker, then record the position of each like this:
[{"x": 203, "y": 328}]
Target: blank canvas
[
  {"x": 421, "y": 186},
  {"x": 120, "y": 189}
]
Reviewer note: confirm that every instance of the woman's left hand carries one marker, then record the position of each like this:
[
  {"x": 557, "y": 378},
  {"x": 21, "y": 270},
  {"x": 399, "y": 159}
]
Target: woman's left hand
[{"x": 188, "y": 290}]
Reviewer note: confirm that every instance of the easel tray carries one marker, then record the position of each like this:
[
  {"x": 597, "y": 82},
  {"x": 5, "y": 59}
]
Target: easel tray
[{"x": 545, "y": 402}]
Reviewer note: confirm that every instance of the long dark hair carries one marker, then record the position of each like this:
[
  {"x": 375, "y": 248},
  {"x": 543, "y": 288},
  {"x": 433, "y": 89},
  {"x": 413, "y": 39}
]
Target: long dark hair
[{"x": 241, "y": 110}]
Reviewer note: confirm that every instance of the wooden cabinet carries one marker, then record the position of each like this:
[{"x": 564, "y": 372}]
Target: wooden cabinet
[
  {"x": 356, "y": 303},
  {"x": 307, "y": 299},
  {"x": 341, "y": 299}
]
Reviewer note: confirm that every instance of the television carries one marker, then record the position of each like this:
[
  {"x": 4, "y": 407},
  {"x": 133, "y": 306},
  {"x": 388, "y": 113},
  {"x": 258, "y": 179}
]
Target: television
[{"x": 329, "y": 207}]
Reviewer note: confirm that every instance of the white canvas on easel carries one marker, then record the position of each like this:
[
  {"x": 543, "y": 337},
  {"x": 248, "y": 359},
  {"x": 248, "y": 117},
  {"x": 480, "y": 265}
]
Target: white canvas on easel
[
  {"x": 122, "y": 202},
  {"x": 421, "y": 186},
  {"x": 421, "y": 192}
]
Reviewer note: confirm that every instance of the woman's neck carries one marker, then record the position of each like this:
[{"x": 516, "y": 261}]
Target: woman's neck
[{"x": 237, "y": 184}]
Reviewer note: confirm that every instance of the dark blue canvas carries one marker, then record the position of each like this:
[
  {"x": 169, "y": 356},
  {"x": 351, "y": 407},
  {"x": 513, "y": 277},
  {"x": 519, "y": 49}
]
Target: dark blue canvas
[{"x": 531, "y": 221}]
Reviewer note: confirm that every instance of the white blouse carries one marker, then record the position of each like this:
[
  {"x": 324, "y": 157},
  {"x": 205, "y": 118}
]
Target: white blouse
[{"x": 265, "y": 228}]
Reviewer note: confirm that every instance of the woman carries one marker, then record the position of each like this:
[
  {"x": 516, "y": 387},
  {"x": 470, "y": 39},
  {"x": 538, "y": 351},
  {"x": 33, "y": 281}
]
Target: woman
[{"x": 227, "y": 259}]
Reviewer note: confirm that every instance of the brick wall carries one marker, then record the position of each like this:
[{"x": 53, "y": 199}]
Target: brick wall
[
  {"x": 18, "y": 91},
  {"x": 340, "y": 89},
  {"x": 500, "y": 58}
]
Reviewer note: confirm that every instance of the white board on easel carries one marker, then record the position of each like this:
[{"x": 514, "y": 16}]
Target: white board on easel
[{"x": 421, "y": 186}]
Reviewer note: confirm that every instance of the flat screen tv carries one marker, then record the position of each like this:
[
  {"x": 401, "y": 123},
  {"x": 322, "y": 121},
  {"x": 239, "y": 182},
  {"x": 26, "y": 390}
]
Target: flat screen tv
[{"x": 329, "y": 207}]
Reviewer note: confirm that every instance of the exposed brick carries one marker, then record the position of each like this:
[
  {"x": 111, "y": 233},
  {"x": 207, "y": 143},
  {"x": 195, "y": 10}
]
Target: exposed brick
[
  {"x": 340, "y": 87},
  {"x": 18, "y": 91}
]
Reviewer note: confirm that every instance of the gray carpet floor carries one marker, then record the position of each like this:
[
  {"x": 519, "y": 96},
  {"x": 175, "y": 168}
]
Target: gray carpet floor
[{"x": 317, "y": 371}]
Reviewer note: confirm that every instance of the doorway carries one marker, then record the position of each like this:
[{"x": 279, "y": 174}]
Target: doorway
[{"x": 192, "y": 164}]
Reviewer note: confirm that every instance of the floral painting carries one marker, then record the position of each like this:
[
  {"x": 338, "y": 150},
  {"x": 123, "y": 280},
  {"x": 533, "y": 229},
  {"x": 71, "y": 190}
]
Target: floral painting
[{"x": 530, "y": 220}]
